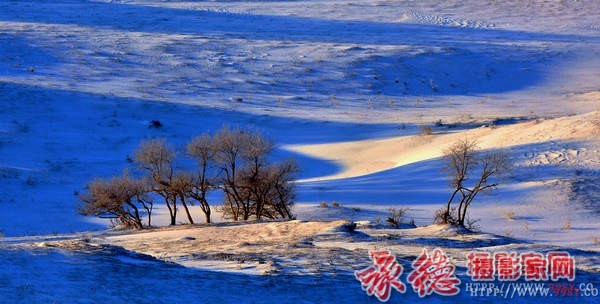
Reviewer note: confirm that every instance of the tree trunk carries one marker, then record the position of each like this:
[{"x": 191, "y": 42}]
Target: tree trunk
[
  {"x": 174, "y": 213},
  {"x": 207, "y": 215},
  {"x": 149, "y": 212},
  {"x": 207, "y": 211},
  {"x": 187, "y": 211},
  {"x": 447, "y": 213}
]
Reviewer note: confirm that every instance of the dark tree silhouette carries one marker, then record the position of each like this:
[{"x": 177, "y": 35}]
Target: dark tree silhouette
[
  {"x": 202, "y": 149},
  {"x": 122, "y": 198},
  {"x": 466, "y": 164},
  {"x": 155, "y": 156}
]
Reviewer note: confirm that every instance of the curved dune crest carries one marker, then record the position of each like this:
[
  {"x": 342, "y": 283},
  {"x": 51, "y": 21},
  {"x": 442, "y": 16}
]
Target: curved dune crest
[{"x": 364, "y": 157}]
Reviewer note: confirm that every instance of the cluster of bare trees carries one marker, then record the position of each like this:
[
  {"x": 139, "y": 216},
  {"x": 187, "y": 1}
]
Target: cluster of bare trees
[
  {"x": 123, "y": 198},
  {"x": 232, "y": 160},
  {"x": 472, "y": 173}
]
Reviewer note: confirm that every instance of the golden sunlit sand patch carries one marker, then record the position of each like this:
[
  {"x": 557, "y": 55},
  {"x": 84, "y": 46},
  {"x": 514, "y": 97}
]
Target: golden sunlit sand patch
[{"x": 364, "y": 157}]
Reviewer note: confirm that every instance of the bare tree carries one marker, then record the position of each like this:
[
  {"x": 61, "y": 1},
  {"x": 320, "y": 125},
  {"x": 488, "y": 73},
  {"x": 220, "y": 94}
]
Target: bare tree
[
  {"x": 257, "y": 179},
  {"x": 229, "y": 153},
  {"x": 252, "y": 185},
  {"x": 202, "y": 149},
  {"x": 460, "y": 159},
  {"x": 181, "y": 187},
  {"x": 155, "y": 156},
  {"x": 121, "y": 198},
  {"x": 143, "y": 190},
  {"x": 463, "y": 161},
  {"x": 280, "y": 190}
]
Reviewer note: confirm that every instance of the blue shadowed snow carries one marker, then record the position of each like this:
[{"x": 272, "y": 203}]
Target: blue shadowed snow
[
  {"x": 53, "y": 141},
  {"x": 263, "y": 27},
  {"x": 46, "y": 276}
]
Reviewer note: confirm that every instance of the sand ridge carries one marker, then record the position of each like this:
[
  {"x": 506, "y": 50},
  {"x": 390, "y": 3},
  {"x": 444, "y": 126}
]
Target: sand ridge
[{"x": 363, "y": 157}]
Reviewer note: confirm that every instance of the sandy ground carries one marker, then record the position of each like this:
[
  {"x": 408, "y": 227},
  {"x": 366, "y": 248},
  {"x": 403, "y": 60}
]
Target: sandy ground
[
  {"x": 247, "y": 247},
  {"x": 371, "y": 156},
  {"x": 295, "y": 247}
]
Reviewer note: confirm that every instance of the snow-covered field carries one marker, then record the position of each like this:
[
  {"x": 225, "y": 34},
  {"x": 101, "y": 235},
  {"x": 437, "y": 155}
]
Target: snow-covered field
[{"x": 342, "y": 86}]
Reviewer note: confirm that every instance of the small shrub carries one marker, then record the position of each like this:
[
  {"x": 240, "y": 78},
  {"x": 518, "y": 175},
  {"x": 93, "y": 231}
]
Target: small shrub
[
  {"x": 155, "y": 124},
  {"x": 334, "y": 101},
  {"x": 426, "y": 130},
  {"x": 472, "y": 224},
  {"x": 566, "y": 225},
  {"x": 21, "y": 127},
  {"x": 509, "y": 215},
  {"x": 54, "y": 166},
  {"x": 87, "y": 238},
  {"x": 396, "y": 216},
  {"x": 335, "y": 204},
  {"x": 349, "y": 227},
  {"x": 30, "y": 181},
  {"x": 442, "y": 217},
  {"x": 433, "y": 86},
  {"x": 323, "y": 205},
  {"x": 377, "y": 220}
]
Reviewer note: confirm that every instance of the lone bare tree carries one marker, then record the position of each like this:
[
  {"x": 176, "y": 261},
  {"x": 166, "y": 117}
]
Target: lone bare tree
[
  {"x": 464, "y": 161},
  {"x": 122, "y": 198}
]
